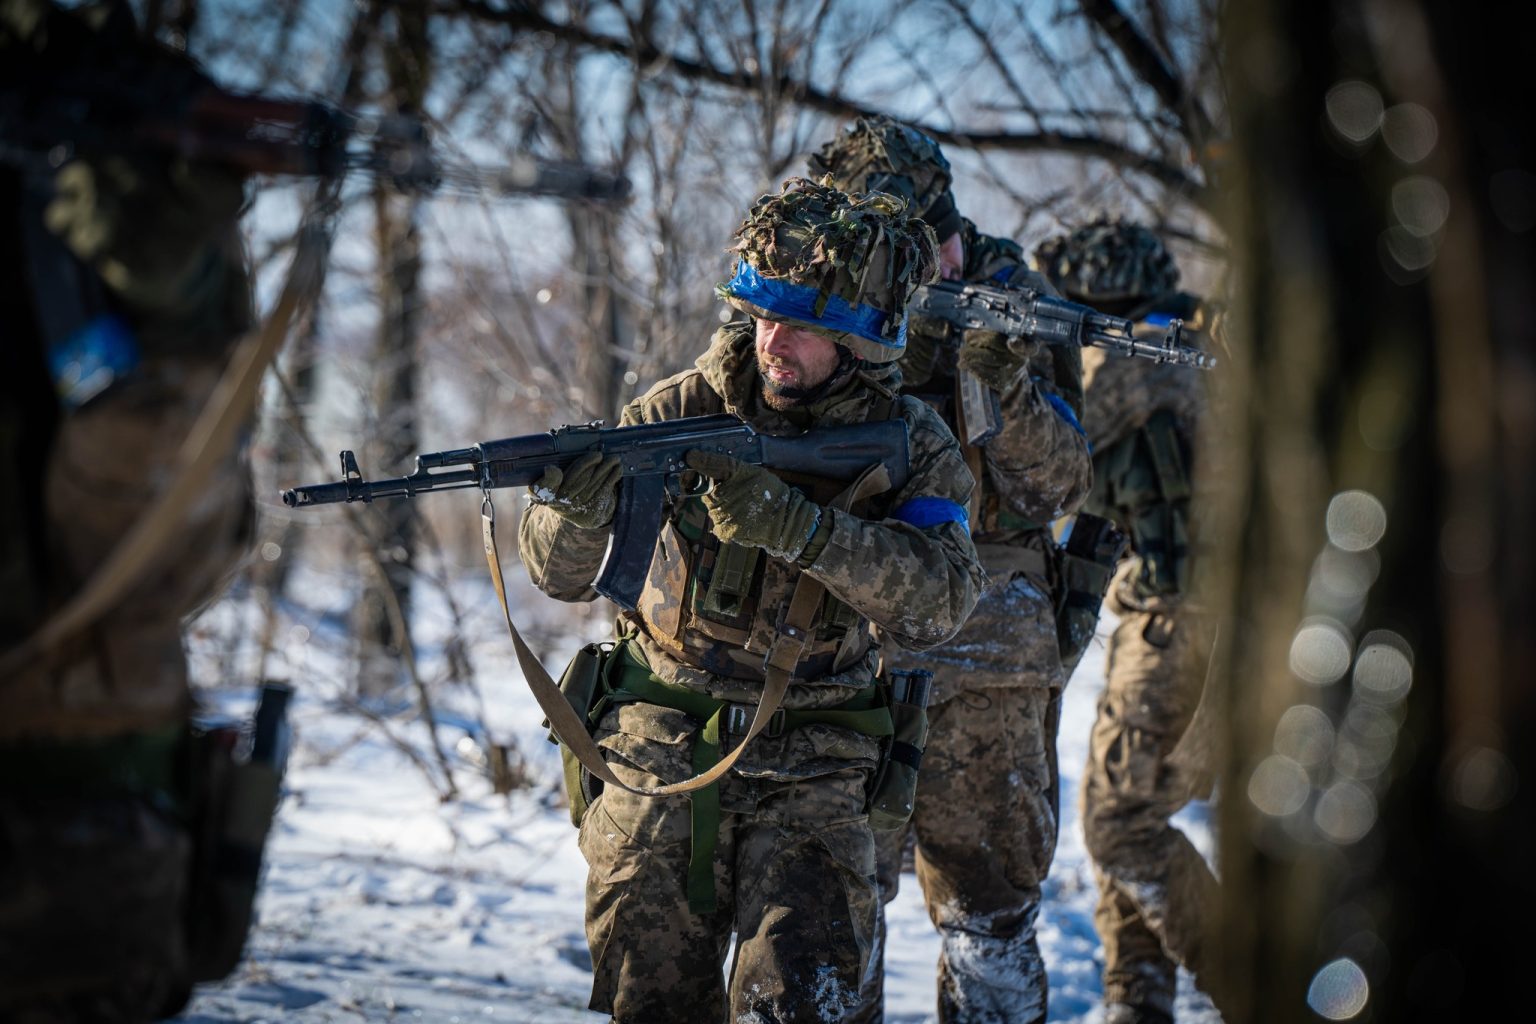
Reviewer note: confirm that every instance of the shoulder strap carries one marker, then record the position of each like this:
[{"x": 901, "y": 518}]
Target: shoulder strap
[{"x": 783, "y": 655}]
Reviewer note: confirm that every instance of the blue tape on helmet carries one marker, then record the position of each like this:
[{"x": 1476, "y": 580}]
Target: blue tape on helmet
[
  {"x": 924, "y": 512},
  {"x": 798, "y": 302}
]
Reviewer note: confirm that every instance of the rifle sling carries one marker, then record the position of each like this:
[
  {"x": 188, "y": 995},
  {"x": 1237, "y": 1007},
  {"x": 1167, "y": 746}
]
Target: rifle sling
[
  {"x": 215, "y": 432},
  {"x": 783, "y": 653}
]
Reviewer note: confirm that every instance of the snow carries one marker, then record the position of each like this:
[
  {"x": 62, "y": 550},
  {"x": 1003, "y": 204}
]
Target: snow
[{"x": 383, "y": 903}]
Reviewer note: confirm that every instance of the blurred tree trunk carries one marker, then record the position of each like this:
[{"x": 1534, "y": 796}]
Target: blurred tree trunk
[
  {"x": 1378, "y": 830},
  {"x": 407, "y": 59}
]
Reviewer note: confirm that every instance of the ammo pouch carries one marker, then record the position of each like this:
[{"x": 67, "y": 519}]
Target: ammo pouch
[
  {"x": 233, "y": 798},
  {"x": 584, "y": 685},
  {"x": 1087, "y": 564},
  {"x": 894, "y": 788}
]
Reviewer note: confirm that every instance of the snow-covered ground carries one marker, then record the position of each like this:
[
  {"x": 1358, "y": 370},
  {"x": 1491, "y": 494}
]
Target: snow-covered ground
[{"x": 382, "y": 903}]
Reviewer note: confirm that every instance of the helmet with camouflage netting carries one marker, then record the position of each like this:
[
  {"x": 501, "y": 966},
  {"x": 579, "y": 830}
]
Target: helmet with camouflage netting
[
  {"x": 884, "y": 155},
  {"x": 838, "y": 264},
  {"x": 1108, "y": 260}
]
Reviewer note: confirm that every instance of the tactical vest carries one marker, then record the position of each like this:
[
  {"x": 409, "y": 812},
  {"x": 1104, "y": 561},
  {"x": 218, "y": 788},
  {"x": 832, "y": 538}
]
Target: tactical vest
[
  {"x": 1143, "y": 482},
  {"x": 716, "y": 606}
]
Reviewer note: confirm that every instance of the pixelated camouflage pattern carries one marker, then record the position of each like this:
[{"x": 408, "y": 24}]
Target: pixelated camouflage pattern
[
  {"x": 1036, "y": 470},
  {"x": 863, "y": 248},
  {"x": 878, "y": 153},
  {"x": 1109, "y": 259},
  {"x": 794, "y": 870},
  {"x": 1155, "y": 889},
  {"x": 916, "y": 585},
  {"x": 795, "y": 857},
  {"x": 985, "y": 821}
]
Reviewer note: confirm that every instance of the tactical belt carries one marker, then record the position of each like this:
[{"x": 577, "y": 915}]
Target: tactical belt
[{"x": 864, "y": 713}]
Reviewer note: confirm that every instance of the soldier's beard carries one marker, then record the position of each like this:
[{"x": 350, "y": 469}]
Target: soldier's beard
[{"x": 781, "y": 394}]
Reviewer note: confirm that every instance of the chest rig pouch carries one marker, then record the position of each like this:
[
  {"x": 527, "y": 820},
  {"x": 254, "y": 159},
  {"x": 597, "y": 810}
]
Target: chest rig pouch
[{"x": 1147, "y": 486}]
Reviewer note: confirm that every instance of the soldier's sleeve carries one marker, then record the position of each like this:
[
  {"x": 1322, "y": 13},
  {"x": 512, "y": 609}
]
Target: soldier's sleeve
[
  {"x": 1040, "y": 462},
  {"x": 915, "y": 573},
  {"x": 562, "y": 558}
]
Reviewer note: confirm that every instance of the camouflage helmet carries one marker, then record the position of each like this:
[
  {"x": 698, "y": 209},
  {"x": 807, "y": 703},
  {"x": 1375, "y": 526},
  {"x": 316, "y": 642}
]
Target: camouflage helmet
[
  {"x": 881, "y": 154},
  {"x": 1108, "y": 260},
  {"x": 841, "y": 265}
]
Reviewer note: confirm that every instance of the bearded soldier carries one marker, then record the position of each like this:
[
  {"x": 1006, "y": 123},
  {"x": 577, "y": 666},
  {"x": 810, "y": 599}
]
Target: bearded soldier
[
  {"x": 1143, "y": 417},
  {"x": 780, "y": 850},
  {"x": 125, "y": 287},
  {"x": 985, "y": 817}
]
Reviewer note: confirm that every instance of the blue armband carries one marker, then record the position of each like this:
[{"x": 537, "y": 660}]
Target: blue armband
[{"x": 925, "y": 512}]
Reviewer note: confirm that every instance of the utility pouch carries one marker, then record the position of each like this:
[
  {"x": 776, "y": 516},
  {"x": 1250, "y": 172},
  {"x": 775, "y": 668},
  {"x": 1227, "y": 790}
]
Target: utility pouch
[
  {"x": 895, "y": 785},
  {"x": 234, "y": 796},
  {"x": 584, "y": 685},
  {"x": 1088, "y": 561}
]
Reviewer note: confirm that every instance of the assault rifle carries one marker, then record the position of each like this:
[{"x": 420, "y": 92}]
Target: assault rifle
[
  {"x": 1027, "y": 314},
  {"x": 172, "y": 108},
  {"x": 651, "y": 455}
]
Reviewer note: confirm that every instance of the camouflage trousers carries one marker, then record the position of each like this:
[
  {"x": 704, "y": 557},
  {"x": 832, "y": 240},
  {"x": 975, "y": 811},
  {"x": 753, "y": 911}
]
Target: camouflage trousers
[
  {"x": 1155, "y": 888},
  {"x": 985, "y": 825},
  {"x": 794, "y": 873}
]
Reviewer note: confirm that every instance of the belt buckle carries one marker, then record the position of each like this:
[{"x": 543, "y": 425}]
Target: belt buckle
[{"x": 738, "y": 719}]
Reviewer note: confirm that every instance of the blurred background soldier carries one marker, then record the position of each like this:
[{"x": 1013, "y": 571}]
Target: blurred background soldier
[
  {"x": 125, "y": 286},
  {"x": 825, "y": 278},
  {"x": 1155, "y": 890},
  {"x": 985, "y": 817}
]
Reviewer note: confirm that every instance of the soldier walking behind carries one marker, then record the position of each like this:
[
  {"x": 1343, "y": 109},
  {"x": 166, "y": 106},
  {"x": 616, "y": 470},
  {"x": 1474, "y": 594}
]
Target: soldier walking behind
[
  {"x": 780, "y": 849},
  {"x": 985, "y": 817},
  {"x": 1155, "y": 888},
  {"x": 125, "y": 288}
]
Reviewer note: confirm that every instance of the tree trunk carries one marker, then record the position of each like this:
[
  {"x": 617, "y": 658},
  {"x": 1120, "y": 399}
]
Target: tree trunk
[
  {"x": 1378, "y": 828},
  {"x": 407, "y": 61}
]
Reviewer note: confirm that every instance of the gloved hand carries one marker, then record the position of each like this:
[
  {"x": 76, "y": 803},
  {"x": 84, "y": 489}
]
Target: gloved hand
[
  {"x": 585, "y": 494},
  {"x": 144, "y": 224},
  {"x": 752, "y": 507},
  {"x": 920, "y": 360},
  {"x": 988, "y": 357}
]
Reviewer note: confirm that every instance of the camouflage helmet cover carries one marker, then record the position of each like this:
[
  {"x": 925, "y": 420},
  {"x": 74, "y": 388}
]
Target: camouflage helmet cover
[
  {"x": 1108, "y": 259},
  {"x": 841, "y": 265},
  {"x": 881, "y": 154}
]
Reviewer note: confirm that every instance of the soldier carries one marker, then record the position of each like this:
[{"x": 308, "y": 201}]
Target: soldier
[
  {"x": 1154, "y": 886},
  {"x": 824, "y": 278},
  {"x": 125, "y": 288},
  {"x": 985, "y": 817}
]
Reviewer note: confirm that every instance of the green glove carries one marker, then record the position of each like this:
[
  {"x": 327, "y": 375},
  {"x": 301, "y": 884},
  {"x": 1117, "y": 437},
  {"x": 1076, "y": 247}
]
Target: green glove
[
  {"x": 145, "y": 225},
  {"x": 750, "y": 506},
  {"x": 987, "y": 356},
  {"x": 585, "y": 494},
  {"x": 920, "y": 361}
]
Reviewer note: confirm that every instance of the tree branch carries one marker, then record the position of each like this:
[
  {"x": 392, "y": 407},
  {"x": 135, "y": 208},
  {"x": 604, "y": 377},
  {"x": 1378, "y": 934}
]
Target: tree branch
[
  {"x": 644, "y": 53},
  {"x": 1147, "y": 62}
]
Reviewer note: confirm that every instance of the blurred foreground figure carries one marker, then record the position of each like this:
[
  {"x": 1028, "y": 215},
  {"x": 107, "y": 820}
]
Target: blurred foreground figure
[
  {"x": 759, "y": 584},
  {"x": 1155, "y": 890},
  {"x": 124, "y": 288},
  {"x": 985, "y": 817}
]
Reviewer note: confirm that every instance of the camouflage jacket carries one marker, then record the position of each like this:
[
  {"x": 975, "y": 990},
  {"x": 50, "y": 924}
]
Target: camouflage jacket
[
  {"x": 1038, "y": 468},
  {"x": 1144, "y": 419},
  {"x": 915, "y": 584}
]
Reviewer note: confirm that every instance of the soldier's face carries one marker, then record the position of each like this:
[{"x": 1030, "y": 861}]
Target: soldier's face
[
  {"x": 793, "y": 362},
  {"x": 952, "y": 257}
]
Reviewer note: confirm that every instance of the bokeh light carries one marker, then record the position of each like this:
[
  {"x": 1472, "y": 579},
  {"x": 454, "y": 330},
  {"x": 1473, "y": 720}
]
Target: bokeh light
[
  {"x": 1356, "y": 520},
  {"x": 1420, "y": 204},
  {"x": 1339, "y": 991},
  {"x": 1345, "y": 812},
  {"x": 1354, "y": 110},
  {"x": 1410, "y": 132},
  {"x": 1320, "y": 651},
  {"x": 1305, "y": 735},
  {"x": 1483, "y": 779},
  {"x": 1279, "y": 786},
  {"x": 1383, "y": 672}
]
